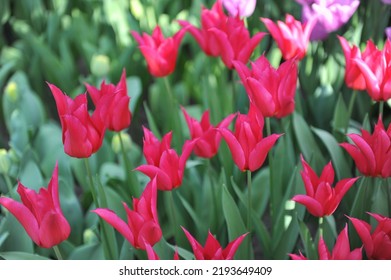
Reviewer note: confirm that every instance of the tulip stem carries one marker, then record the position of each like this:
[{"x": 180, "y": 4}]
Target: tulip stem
[
  {"x": 270, "y": 157},
  {"x": 9, "y": 185},
  {"x": 249, "y": 210},
  {"x": 173, "y": 215},
  {"x": 58, "y": 253},
  {"x": 381, "y": 109},
  {"x": 350, "y": 108},
  {"x": 321, "y": 225},
  {"x": 91, "y": 182},
  {"x": 130, "y": 178}
]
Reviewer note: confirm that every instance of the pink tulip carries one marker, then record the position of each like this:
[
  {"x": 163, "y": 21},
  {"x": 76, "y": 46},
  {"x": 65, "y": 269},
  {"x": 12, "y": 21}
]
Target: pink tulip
[
  {"x": 248, "y": 146},
  {"x": 371, "y": 153},
  {"x": 163, "y": 161},
  {"x": 82, "y": 134},
  {"x": 40, "y": 213},
  {"x": 321, "y": 199},
  {"x": 212, "y": 249},
  {"x": 271, "y": 90},
  {"x": 292, "y": 37},
  {"x": 113, "y": 101},
  {"x": 377, "y": 244},
  {"x": 159, "y": 52},
  {"x": 240, "y": 8},
  {"x": 142, "y": 226},
  {"x": 341, "y": 250},
  {"x": 206, "y": 135}
]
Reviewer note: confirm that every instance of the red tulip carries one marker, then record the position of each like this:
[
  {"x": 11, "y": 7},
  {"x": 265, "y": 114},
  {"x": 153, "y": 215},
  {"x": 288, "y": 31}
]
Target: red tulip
[
  {"x": 321, "y": 199},
  {"x": 40, "y": 213},
  {"x": 372, "y": 153},
  {"x": 377, "y": 244},
  {"x": 271, "y": 90},
  {"x": 113, "y": 101},
  {"x": 163, "y": 161},
  {"x": 159, "y": 52},
  {"x": 142, "y": 225},
  {"x": 212, "y": 249},
  {"x": 341, "y": 250},
  {"x": 206, "y": 135},
  {"x": 82, "y": 134},
  {"x": 224, "y": 36},
  {"x": 248, "y": 146},
  {"x": 292, "y": 37}
]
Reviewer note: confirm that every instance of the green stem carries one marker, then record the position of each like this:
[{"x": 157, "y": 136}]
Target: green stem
[
  {"x": 58, "y": 253},
  {"x": 350, "y": 108},
  {"x": 381, "y": 109},
  {"x": 270, "y": 157},
  {"x": 173, "y": 215},
  {"x": 131, "y": 180},
  {"x": 173, "y": 113},
  {"x": 321, "y": 225},
  {"x": 249, "y": 210},
  {"x": 9, "y": 185},
  {"x": 91, "y": 183}
]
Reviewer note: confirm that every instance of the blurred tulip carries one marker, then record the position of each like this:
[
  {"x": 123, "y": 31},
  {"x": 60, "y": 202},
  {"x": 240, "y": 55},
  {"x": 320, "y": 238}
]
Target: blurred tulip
[
  {"x": 377, "y": 244},
  {"x": 206, "y": 135},
  {"x": 271, "y": 90},
  {"x": 240, "y": 8},
  {"x": 330, "y": 15},
  {"x": 371, "y": 153},
  {"x": 387, "y": 31},
  {"x": 388, "y": 2},
  {"x": 248, "y": 146},
  {"x": 159, "y": 52},
  {"x": 341, "y": 250},
  {"x": 82, "y": 134},
  {"x": 321, "y": 199},
  {"x": 40, "y": 213},
  {"x": 142, "y": 225},
  {"x": 163, "y": 161},
  {"x": 292, "y": 37},
  {"x": 212, "y": 249},
  {"x": 113, "y": 103}
]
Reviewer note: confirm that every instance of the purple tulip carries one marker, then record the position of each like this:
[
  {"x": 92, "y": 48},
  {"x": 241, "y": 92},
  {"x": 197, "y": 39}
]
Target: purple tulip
[
  {"x": 388, "y": 2},
  {"x": 241, "y": 8}
]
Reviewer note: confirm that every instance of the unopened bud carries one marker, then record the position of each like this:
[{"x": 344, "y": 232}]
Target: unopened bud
[
  {"x": 116, "y": 142},
  {"x": 12, "y": 92},
  {"x": 100, "y": 65}
]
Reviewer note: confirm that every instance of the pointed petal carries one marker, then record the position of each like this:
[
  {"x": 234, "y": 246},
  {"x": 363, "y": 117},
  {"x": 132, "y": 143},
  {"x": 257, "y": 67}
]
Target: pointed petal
[
  {"x": 259, "y": 153},
  {"x": 235, "y": 148},
  {"x": 312, "y": 205},
  {"x": 53, "y": 230}
]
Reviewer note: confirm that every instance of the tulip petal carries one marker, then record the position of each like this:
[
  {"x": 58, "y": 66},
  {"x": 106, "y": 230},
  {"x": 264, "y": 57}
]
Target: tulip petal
[
  {"x": 150, "y": 233},
  {"x": 364, "y": 231},
  {"x": 259, "y": 153},
  {"x": 235, "y": 148},
  {"x": 54, "y": 229},
  {"x": 163, "y": 181},
  {"x": 312, "y": 205},
  {"x": 324, "y": 253},
  {"x": 197, "y": 248},
  {"x": 232, "y": 247},
  {"x": 248, "y": 49}
]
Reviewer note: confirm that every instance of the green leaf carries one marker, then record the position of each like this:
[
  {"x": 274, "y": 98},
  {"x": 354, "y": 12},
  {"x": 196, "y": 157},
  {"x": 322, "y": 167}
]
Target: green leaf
[
  {"x": 134, "y": 91},
  {"x": 309, "y": 244},
  {"x": 21, "y": 256},
  {"x": 88, "y": 252},
  {"x": 151, "y": 122},
  {"x": 340, "y": 118},
  {"x": 3, "y": 237},
  {"x": 288, "y": 240}
]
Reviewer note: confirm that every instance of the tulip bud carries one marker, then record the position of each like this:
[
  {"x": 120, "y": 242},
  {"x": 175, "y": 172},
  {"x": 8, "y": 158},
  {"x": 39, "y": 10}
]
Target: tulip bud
[
  {"x": 4, "y": 161},
  {"x": 89, "y": 236},
  {"x": 116, "y": 142},
  {"x": 12, "y": 92},
  {"x": 100, "y": 65}
]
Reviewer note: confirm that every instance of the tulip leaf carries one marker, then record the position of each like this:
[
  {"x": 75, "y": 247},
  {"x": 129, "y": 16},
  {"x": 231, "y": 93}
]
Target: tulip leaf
[
  {"x": 199, "y": 224},
  {"x": 308, "y": 242},
  {"x": 134, "y": 87},
  {"x": 21, "y": 256},
  {"x": 88, "y": 252},
  {"x": 151, "y": 122},
  {"x": 340, "y": 119},
  {"x": 235, "y": 224},
  {"x": 289, "y": 238},
  {"x": 3, "y": 237},
  {"x": 341, "y": 166}
]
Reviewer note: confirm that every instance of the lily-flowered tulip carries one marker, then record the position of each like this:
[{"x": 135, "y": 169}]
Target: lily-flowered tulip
[
  {"x": 40, "y": 213},
  {"x": 330, "y": 15},
  {"x": 113, "y": 102},
  {"x": 82, "y": 133},
  {"x": 377, "y": 72},
  {"x": 388, "y": 2},
  {"x": 377, "y": 244},
  {"x": 371, "y": 56},
  {"x": 240, "y": 8},
  {"x": 206, "y": 135},
  {"x": 212, "y": 249},
  {"x": 292, "y": 37},
  {"x": 142, "y": 226},
  {"x": 163, "y": 162},
  {"x": 247, "y": 145},
  {"x": 271, "y": 90},
  {"x": 160, "y": 53},
  {"x": 321, "y": 199},
  {"x": 371, "y": 153},
  {"x": 341, "y": 250},
  {"x": 224, "y": 36}
]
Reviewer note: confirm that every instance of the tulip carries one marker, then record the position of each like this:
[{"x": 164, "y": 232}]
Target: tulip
[
  {"x": 224, "y": 36},
  {"x": 113, "y": 101},
  {"x": 341, "y": 250},
  {"x": 321, "y": 199},
  {"x": 82, "y": 134},
  {"x": 142, "y": 225},
  {"x": 163, "y": 161},
  {"x": 271, "y": 90},
  {"x": 159, "y": 52},
  {"x": 292, "y": 37},
  {"x": 40, "y": 213},
  {"x": 212, "y": 249},
  {"x": 376, "y": 72},
  {"x": 371, "y": 153},
  {"x": 377, "y": 244},
  {"x": 206, "y": 135},
  {"x": 330, "y": 14},
  {"x": 387, "y": 2},
  {"x": 240, "y": 8},
  {"x": 387, "y": 31},
  {"x": 248, "y": 146}
]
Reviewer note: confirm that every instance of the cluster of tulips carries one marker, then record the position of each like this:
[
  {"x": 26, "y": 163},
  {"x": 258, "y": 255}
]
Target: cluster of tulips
[{"x": 271, "y": 94}]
